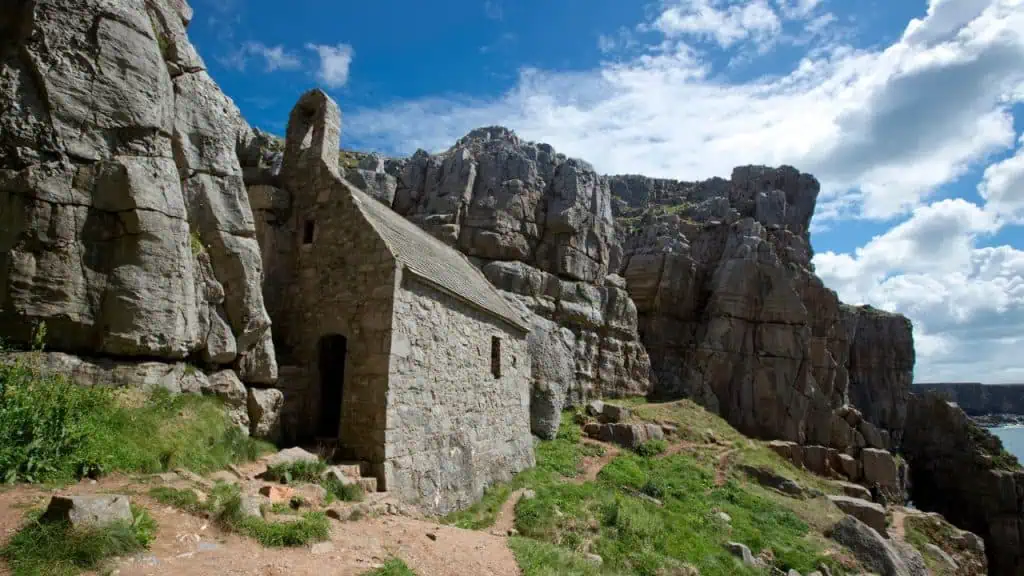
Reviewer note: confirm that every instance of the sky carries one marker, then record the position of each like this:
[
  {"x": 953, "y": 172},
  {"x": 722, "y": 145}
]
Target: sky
[{"x": 909, "y": 112}]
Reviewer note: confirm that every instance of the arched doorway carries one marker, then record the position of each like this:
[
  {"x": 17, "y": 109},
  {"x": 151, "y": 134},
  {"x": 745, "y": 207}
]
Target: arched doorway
[{"x": 332, "y": 350}]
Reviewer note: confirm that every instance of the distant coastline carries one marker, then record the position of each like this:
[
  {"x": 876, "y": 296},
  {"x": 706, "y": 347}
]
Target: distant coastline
[{"x": 989, "y": 405}]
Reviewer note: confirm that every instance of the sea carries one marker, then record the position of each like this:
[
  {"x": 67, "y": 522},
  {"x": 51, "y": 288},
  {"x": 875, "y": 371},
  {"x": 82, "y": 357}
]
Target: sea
[{"x": 1013, "y": 439}]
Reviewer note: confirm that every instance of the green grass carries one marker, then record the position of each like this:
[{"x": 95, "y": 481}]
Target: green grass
[
  {"x": 298, "y": 471},
  {"x": 55, "y": 549},
  {"x": 537, "y": 558},
  {"x": 652, "y": 448},
  {"x": 343, "y": 492},
  {"x": 393, "y": 567},
  {"x": 52, "y": 430},
  {"x": 556, "y": 459},
  {"x": 196, "y": 243},
  {"x": 224, "y": 505}
]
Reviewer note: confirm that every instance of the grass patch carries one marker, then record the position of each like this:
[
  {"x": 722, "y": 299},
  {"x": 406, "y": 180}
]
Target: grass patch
[
  {"x": 393, "y": 567},
  {"x": 52, "y": 430},
  {"x": 537, "y": 558},
  {"x": 56, "y": 549},
  {"x": 556, "y": 459},
  {"x": 196, "y": 243},
  {"x": 336, "y": 490},
  {"x": 298, "y": 471},
  {"x": 225, "y": 506}
]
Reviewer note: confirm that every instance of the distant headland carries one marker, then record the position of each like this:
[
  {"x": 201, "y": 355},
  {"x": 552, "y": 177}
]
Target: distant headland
[{"x": 988, "y": 404}]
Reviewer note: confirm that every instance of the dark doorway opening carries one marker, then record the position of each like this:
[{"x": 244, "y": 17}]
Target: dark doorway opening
[{"x": 332, "y": 381}]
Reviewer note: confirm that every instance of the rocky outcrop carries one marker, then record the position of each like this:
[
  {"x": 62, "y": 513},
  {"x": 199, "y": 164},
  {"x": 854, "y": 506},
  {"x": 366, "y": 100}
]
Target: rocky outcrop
[
  {"x": 962, "y": 472},
  {"x": 124, "y": 221},
  {"x": 977, "y": 399},
  {"x": 732, "y": 314},
  {"x": 886, "y": 557}
]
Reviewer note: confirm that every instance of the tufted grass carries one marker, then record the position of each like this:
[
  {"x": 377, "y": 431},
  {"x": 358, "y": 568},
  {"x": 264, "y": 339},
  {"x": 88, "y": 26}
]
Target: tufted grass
[
  {"x": 54, "y": 431},
  {"x": 42, "y": 548},
  {"x": 393, "y": 567}
]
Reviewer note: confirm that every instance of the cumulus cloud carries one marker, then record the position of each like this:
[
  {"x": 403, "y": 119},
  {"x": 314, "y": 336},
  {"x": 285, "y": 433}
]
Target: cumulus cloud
[
  {"x": 883, "y": 128},
  {"x": 335, "y": 62},
  {"x": 273, "y": 57},
  {"x": 1002, "y": 186}
]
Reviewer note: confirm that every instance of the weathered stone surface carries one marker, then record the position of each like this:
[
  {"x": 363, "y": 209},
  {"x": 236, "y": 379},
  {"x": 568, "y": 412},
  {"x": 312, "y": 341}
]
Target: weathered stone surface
[
  {"x": 89, "y": 511},
  {"x": 962, "y": 472},
  {"x": 265, "y": 413},
  {"x": 880, "y": 466},
  {"x": 866, "y": 511},
  {"x": 226, "y": 386},
  {"x": 855, "y": 490},
  {"x": 174, "y": 377},
  {"x": 118, "y": 173},
  {"x": 290, "y": 456},
  {"x": 733, "y": 316},
  {"x": 608, "y": 357},
  {"x": 742, "y": 551},
  {"x": 849, "y": 466},
  {"x": 551, "y": 356},
  {"x": 888, "y": 558}
]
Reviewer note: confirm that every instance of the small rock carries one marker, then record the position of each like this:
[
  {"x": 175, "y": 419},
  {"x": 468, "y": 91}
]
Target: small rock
[
  {"x": 742, "y": 552},
  {"x": 724, "y": 517},
  {"x": 513, "y": 532},
  {"x": 793, "y": 573},
  {"x": 432, "y": 536},
  {"x": 528, "y": 495},
  {"x": 594, "y": 559},
  {"x": 595, "y": 407},
  {"x": 277, "y": 493},
  {"x": 193, "y": 477},
  {"x": 592, "y": 429},
  {"x": 614, "y": 414},
  {"x": 855, "y": 490},
  {"x": 709, "y": 436},
  {"x": 669, "y": 429},
  {"x": 167, "y": 477},
  {"x": 89, "y": 511}
]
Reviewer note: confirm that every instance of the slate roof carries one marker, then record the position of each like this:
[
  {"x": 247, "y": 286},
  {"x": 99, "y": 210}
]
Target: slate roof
[{"x": 434, "y": 261}]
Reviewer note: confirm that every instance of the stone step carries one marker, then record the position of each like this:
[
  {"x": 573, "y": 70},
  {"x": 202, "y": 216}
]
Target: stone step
[{"x": 353, "y": 471}]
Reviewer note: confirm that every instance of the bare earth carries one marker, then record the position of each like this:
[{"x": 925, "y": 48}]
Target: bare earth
[{"x": 187, "y": 544}]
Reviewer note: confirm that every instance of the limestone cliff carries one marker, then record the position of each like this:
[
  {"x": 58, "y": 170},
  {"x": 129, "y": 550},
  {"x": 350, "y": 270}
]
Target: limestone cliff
[
  {"x": 124, "y": 221},
  {"x": 732, "y": 314}
]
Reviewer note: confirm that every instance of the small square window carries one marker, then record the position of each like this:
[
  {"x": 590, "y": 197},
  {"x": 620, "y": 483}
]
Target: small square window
[
  {"x": 307, "y": 232},
  {"x": 496, "y": 356}
]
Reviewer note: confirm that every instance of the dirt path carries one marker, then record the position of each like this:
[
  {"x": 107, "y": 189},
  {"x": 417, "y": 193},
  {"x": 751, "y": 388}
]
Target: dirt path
[
  {"x": 506, "y": 519},
  {"x": 187, "y": 544},
  {"x": 896, "y": 527},
  {"x": 591, "y": 466},
  {"x": 722, "y": 470}
]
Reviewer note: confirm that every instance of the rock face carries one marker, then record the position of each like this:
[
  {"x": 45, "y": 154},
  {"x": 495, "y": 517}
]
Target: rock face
[
  {"x": 541, "y": 226},
  {"x": 124, "y": 221},
  {"x": 962, "y": 472},
  {"x": 732, "y": 314},
  {"x": 887, "y": 557}
]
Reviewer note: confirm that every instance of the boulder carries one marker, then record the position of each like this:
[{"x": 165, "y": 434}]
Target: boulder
[
  {"x": 89, "y": 511},
  {"x": 265, "y": 412},
  {"x": 867, "y": 512},
  {"x": 290, "y": 456},
  {"x": 855, "y": 490},
  {"x": 552, "y": 375},
  {"x": 848, "y": 466},
  {"x": 614, "y": 414},
  {"x": 742, "y": 551},
  {"x": 880, "y": 466},
  {"x": 888, "y": 558},
  {"x": 816, "y": 460}
]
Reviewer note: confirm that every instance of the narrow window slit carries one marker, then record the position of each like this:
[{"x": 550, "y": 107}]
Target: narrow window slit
[{"x": 496, "y": 356}]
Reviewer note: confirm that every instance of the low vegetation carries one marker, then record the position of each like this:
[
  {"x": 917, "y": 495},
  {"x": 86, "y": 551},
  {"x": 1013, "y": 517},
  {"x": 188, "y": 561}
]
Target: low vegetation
[
  {"x": 312, "y": 471},
  {"x": 43, "y": 548},
  {"x": 393, "y": 567},
  {"x": 653, "y": 511},
  {"x": 52, "y": 430},
  {"x": 224, "y": 505}
]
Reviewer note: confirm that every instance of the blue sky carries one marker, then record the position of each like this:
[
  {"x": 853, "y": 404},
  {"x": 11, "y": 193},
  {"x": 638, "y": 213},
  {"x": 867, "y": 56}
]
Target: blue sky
[{"x": 910, "y": 112}]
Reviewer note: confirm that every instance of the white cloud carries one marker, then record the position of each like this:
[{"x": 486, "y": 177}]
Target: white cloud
[
  {"x": 1002, "y": 186},
  {"x": 883, "y": 128},
  {"x": 726, "y": 26},
  {"x": 273, "y": 57},
  {"x": 334, "y": 63}
]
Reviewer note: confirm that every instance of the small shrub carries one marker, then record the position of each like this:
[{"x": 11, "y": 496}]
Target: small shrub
[
  {"x": 300, "y": 471},
  {"x": 336, "y": 490},
  {"x": 393, "y": 567},
  {"x": 652, "y": 448},
  {"x": 55, "y": 549},
  {"x": 196, "y": 243}
]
